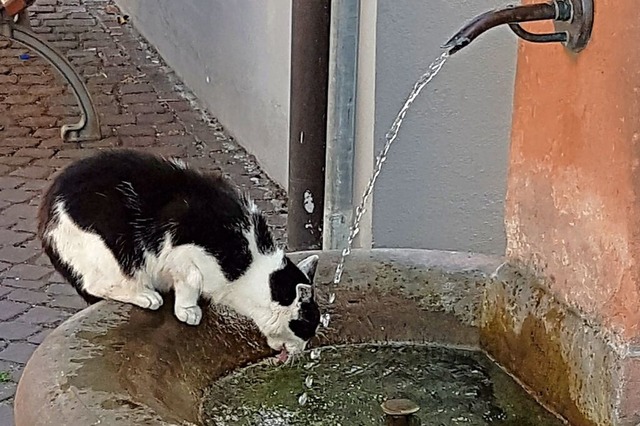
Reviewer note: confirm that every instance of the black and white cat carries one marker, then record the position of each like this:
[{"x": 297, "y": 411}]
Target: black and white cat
[{"x": 127, "y": 226}]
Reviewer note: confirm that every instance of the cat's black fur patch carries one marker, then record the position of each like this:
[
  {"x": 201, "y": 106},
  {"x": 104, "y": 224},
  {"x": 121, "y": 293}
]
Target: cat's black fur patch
[
  {"x": 264, "y": 238},
  {"x": 283, "y": 283},
  {"x": 309, "y": 317},
  {"x": 132, "y": 199}
]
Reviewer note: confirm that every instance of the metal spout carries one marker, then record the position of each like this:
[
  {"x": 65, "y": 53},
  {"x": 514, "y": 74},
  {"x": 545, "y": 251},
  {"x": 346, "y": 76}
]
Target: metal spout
[{"x": 578, "y": 12}]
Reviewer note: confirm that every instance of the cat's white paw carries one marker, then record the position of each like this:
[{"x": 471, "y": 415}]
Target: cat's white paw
[
  {"x": 149, "y": 299},
  {"x": 192, "y": 315}
]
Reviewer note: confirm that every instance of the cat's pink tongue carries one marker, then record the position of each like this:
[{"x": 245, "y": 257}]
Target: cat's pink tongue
[{"x": 283, "y": 355}]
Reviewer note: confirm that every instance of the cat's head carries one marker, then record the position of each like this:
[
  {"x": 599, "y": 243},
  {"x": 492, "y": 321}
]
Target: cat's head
[{"x": 294, "y": 314}]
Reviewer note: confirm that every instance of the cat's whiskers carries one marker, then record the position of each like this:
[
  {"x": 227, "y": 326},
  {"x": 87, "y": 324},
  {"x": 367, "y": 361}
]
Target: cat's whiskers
[
  {"x": 291, "y": 360},
  {"x": 321, "y": 334}
]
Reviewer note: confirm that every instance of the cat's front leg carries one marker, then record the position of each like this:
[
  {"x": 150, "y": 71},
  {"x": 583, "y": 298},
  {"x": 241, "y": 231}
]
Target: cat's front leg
[
  {"x": 187, "y": 284},
  {"x": 135, "y": 291}
]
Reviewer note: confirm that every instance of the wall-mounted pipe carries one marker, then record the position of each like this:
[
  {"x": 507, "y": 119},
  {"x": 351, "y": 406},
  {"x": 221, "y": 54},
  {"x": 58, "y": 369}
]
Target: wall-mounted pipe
[
  {"x": 310, "y": 21},
  {"x": 573, "y": 21},
  {"x": 341, "y": 124}
]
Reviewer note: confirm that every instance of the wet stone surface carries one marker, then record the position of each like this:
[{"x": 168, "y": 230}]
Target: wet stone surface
[
  {"x": 450, "y": 386},
  {"x": 142, "y": 105}
]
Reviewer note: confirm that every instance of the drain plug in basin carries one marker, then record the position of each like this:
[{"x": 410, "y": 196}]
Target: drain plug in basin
[{"x": 399, "y": 412}]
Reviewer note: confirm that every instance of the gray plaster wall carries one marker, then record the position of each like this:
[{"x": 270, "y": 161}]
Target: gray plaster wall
[
  {"x": 235, "y": 55},
  {"x": 444, "y": 182}
]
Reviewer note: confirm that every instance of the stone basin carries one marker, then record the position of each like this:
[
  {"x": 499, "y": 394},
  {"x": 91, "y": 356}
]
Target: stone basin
[{"x": 115, "y": 364}]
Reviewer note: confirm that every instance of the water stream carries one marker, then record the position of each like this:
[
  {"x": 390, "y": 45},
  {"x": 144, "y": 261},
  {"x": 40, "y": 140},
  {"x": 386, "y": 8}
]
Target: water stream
[{"x": 390, "y": 137}]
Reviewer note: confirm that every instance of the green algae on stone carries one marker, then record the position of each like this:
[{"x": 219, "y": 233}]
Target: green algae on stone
[{"x": 451, "y": 386}]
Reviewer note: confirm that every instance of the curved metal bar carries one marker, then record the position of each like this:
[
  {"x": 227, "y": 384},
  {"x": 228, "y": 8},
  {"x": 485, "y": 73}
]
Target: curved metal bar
[
  {"x": 538, "y": 38},
  {"x": 88, "y": 128}
]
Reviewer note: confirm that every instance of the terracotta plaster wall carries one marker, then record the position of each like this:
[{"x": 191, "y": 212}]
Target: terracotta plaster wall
[{"x": 572, "y": 210}]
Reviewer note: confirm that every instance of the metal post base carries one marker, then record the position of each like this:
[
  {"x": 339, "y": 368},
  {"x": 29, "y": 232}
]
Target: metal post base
[
  {"x": 88, "y": 128},
  {"x": 579, "y": 27}
]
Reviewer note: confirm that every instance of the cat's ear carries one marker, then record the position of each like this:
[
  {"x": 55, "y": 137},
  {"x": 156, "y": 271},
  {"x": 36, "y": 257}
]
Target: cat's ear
[
  {"x": 308, "y": 266},
  {"x": 304, "y": 293}
]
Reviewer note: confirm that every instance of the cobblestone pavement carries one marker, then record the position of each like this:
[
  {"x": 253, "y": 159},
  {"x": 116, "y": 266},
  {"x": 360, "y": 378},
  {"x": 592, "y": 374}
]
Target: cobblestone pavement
[{"x": 142, "y": 105}]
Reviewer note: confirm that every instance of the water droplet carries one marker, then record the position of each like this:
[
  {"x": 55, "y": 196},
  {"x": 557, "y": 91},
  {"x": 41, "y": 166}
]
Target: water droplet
[
  {"x": 303, "y": 399},
  {"x": 315, "y": 354},
  {"x": 324, "y": 319},
  {"x": 332, "y": 298},
  {"x": 308, "y": 381}
]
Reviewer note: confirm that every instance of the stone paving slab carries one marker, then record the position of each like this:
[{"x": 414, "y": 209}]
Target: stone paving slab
[{"x": 142, "y": 105}]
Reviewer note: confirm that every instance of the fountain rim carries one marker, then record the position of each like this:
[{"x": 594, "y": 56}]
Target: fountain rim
[{"x": 50, "y": 390}]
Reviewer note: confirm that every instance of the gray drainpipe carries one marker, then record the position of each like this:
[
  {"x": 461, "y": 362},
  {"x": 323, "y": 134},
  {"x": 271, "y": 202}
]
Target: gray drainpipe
[{"x": 341, "y": 129}]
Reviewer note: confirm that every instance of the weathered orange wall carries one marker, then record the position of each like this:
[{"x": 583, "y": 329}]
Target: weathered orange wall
[{"x": 572, "y": 207}]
